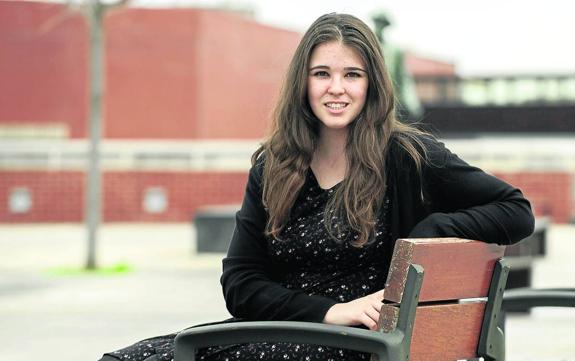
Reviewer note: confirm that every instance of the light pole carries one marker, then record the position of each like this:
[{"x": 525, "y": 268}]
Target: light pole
[{"x": 93, "y": 194}]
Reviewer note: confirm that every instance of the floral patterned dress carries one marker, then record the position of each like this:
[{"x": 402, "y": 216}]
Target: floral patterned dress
[{"x": 311, "y": 261}]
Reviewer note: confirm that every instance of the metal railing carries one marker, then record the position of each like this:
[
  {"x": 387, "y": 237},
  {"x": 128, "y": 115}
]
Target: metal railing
[{"x": 497, "y": 90}]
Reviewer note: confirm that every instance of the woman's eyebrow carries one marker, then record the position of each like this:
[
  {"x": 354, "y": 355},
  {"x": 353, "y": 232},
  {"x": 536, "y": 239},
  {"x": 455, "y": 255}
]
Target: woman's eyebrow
[
  {"x": 352, "y": 68},
  {"x": 319, "y": 67}
]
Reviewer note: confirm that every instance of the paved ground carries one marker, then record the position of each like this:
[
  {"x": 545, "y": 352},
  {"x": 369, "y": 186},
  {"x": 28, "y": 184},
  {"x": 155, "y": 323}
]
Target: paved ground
[{"x": 69, "y": 317}]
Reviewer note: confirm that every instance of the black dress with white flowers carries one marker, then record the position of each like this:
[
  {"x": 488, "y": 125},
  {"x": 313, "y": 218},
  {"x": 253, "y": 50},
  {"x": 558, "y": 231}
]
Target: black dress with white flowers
[{"x": 310, "y": 261}]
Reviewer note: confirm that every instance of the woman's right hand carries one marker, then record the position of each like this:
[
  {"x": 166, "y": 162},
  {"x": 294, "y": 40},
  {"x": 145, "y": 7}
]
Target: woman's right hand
[{"x": 363, "y": 311}]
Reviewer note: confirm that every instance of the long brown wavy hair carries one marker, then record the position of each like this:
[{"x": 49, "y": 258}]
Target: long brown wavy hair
[{"x": 289, "y": 149}]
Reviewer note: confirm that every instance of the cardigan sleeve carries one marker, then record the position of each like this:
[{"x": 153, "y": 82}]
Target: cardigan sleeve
[
  {"x": 247, "y": 279},
  {"x": 466, "y": 202}
]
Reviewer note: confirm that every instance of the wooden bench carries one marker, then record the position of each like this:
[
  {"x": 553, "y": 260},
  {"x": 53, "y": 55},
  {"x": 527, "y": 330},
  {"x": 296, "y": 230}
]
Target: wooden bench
[{"x": 451, "y": 313}]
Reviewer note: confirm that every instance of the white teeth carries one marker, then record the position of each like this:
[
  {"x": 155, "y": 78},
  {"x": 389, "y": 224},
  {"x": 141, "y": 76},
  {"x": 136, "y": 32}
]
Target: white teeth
[{"x": 336, "y": 105}]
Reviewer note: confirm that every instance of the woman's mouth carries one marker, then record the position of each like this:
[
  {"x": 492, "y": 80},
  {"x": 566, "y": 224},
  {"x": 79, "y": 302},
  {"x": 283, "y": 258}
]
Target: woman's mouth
[{"x": 336, "y": 106}]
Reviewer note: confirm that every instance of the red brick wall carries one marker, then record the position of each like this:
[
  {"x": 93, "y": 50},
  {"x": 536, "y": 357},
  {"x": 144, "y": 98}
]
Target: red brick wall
[
  {"x": 170, "y": 73},
  {"x": 186, "y": 192},
  {"x": 192, "y": 74},
  {"x": 43, "y": 66},
  {"x": 152, "y": 74},
  {"x": 242, "y": 64},
  {"x": 550, "y": 193},
  {"x": 57, "y": 196}
]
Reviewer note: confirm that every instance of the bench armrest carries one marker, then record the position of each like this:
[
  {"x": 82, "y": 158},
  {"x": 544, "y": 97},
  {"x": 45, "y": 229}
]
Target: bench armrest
[
  {"x": 189, "y": 341},
  {"x": 388, "y": 346},
  {"x": 521, "y": 298}
]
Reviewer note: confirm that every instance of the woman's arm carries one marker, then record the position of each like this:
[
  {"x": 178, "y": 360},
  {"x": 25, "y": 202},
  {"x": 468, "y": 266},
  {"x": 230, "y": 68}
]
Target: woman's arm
[
  {"x": 469, "y": 203},
  {"x": 249, "y": 290}
]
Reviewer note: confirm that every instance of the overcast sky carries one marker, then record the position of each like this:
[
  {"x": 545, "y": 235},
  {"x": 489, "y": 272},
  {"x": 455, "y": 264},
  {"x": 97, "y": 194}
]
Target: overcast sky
[{"x": 481, "y": 37}]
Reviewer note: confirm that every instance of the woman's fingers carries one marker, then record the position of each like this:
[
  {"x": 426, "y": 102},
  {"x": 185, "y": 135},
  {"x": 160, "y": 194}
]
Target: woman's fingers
[
  {"x": 373, "y": 314},
  {"x": 368, "y": 321},
  {"x": 376, "y": 299},
  {"x": 363, "y": 311},
  {"x": 370, "y": 307}
]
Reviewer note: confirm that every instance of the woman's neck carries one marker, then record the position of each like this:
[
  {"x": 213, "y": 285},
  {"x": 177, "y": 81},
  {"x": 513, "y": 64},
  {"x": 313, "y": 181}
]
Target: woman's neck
[
  {"x": 329, "y": 163},
  {"x": 331, "y": 145}
]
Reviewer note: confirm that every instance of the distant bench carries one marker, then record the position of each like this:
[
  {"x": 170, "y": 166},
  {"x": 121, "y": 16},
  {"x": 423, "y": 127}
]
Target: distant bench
[{"x": 521, "y": 257}]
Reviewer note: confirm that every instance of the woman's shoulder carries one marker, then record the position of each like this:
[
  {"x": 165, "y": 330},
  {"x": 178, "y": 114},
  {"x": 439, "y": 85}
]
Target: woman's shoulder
[
  {"x": 256, "y": 172},
  {"x": 431, "y": 150}
]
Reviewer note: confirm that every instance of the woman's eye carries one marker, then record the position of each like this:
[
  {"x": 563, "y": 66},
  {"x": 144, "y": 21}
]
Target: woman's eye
[
  {"x": 353, "y": 75},
  {"x": 321, "y": 74}
]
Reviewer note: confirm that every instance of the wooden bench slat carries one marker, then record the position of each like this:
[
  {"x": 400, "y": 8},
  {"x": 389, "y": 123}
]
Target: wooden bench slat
[
  {"x": 441, "y": 331},
  {"x": 447, "y": 332},
  {"x": 452, "y": 267}
]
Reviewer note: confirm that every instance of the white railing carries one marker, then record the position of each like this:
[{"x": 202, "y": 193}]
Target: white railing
[
  {"x": 220, "y": 155},
  {"x": 509, "y": 154}
]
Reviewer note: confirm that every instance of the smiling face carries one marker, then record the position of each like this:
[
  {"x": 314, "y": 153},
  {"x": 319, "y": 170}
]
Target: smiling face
[{"x": 337, "y": 84}]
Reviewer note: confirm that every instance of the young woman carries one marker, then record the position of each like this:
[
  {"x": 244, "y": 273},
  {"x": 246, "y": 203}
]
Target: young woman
[{"x": 329, "y": 192}]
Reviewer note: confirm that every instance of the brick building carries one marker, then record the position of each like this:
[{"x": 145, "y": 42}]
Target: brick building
[{"x": 188, "y": 96}]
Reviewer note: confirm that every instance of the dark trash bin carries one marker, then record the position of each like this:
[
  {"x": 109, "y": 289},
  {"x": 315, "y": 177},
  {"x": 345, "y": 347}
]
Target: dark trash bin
[{"x": 214, "y": 227}]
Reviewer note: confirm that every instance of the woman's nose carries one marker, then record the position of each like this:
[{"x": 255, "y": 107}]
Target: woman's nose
[{"x": 336, "y": 86}]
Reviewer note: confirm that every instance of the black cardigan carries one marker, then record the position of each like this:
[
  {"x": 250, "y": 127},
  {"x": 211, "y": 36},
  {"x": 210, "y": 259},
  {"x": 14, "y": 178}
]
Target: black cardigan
[{"x": 448, "y": 199}]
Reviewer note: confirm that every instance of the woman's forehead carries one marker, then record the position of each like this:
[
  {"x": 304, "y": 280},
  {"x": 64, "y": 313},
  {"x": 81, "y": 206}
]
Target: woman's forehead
[{"x": 336, "y": 54}]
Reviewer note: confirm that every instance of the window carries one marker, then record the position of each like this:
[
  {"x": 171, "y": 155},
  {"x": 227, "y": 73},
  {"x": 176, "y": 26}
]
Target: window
[
  {"x": 20, "y": 200},
  {"x": 155, "y": 200}
]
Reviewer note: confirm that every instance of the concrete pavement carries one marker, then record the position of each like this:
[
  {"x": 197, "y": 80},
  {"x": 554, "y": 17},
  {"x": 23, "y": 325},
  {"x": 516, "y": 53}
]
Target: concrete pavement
[{"x": 51, "y": 316}]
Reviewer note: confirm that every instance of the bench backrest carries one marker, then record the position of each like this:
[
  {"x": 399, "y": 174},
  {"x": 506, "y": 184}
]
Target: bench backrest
[{"x": 446, "y": 328}]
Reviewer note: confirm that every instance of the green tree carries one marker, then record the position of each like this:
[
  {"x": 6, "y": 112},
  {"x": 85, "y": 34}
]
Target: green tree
[{"x": 407, "y": 101}]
